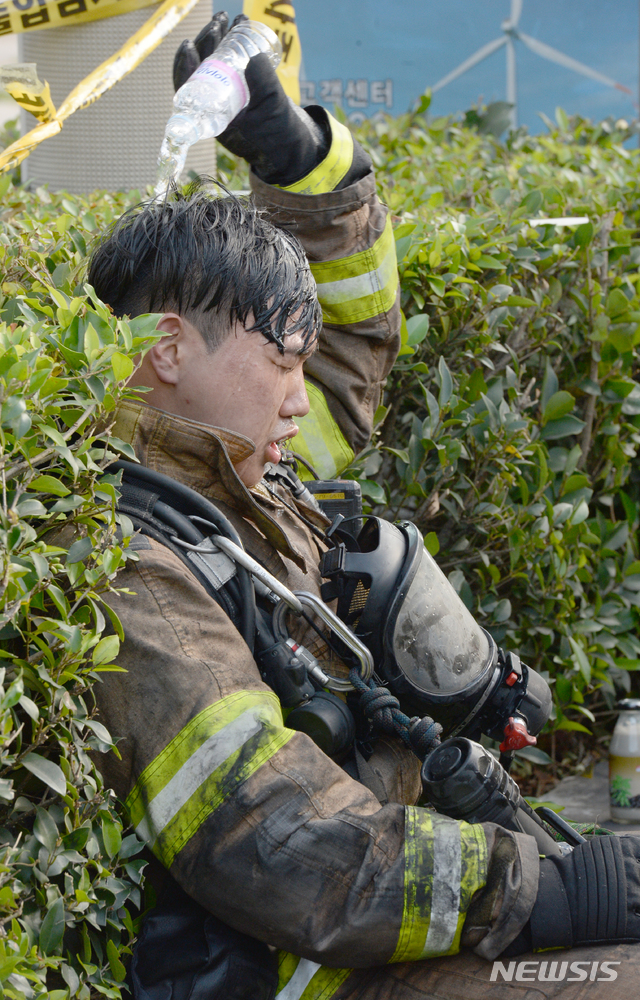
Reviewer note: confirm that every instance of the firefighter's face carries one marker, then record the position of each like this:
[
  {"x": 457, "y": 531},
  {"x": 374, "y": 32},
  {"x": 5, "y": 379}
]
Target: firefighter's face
[{"x": 245, "y": 385}]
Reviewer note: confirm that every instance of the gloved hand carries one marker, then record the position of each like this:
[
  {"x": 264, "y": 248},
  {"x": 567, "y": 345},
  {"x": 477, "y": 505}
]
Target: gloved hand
[
  {"x": 589, "y": 896},
  {"x": 281, "y": 141}
]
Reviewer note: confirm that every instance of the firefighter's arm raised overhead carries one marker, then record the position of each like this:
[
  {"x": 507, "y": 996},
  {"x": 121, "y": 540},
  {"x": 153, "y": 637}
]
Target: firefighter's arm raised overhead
[
  {"x": 347, "y": 236},
  {"x": 316, "y": 181}
]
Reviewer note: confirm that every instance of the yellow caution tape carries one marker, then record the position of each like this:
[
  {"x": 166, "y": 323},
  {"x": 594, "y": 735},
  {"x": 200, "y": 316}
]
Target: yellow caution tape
[
  {"x": 280, "y": 16},
  {"x": 21, "y": 81},
  {"x": 17, "y": 16},
  {"x": 132, "y": 53}
]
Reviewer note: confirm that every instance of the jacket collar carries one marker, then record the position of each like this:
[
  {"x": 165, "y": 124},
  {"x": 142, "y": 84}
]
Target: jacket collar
[{"x": 203, "y": 458}]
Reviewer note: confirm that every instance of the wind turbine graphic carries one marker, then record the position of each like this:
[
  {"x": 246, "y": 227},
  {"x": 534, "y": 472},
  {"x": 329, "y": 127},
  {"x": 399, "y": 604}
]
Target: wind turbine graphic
[{"x": 510, "y": 35}]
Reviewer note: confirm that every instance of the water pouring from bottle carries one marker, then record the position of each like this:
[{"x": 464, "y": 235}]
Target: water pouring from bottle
[{"x": 213, "y": 95}]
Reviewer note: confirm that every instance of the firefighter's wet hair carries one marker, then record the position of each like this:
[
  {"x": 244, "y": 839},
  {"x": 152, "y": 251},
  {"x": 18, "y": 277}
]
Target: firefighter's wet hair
[{"x": 212, "y": 258}]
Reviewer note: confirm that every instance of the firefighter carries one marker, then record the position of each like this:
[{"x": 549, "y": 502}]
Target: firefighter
[{"x": 278, "y": 873}]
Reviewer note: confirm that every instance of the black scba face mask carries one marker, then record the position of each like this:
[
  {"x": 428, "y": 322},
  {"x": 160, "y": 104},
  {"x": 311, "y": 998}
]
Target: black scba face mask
[{"x": 427, "y": 647}]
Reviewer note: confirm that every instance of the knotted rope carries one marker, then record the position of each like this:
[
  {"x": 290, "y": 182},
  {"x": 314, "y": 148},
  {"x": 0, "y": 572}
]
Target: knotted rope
[{"x": 383, "y": 710}]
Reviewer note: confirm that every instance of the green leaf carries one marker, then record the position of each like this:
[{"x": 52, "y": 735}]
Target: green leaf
[
  {"x": 400, "y": 453},
  {"x": 446, "y": 383},
  {"x": 520, "y": 300},
  {"x": 572, "y": 726},
  {"x": 558, "y": 406},
  {"x": 486, "y": 262},
  {"x": 437, "y": 284},
  {"x": 618, "y": 538},
  {"x": 617, "y": 303},
  {"x": 71, "y": 978},
  {"x": 58, "y": 598},
  {"x": 45, "y": 829},
  {"x": 562, "y": 428},
  {"x": 549, "y": 386},
  {"x": 30, "y": 707},
  {"x": 79, "y": 550},
  {"x": 118, "y": 970},
  {"x": 49, "y": 484},
  {"x": 46, "y": 771},
  {"x": 106, "y": 650},
  {"x": 130, "y": 846},
  {"x": 564, "y": 688},
  {"x": 431, "y": 543},
  {"x": 100, "y": 731},
  {"x": 402, "y": 247},
  {"x": 30, "y": 508},
  {"x": 52, "y": 929},
  {"x": 122, "y": 366},
  {"x": 581, "y": 658},
  {"x": 417, "y": 328},
  {"x": 580, "y": 514},
  {"x": 583, "y": 234},
  {"x": 76, "y": 839},
  {"x": 575, "y": 483},
  {"x": 145, "y": 325},
  {"x": 502, "y": 610},
  {"x": 111, "y": 836},
  {"x": 372, "y": 490},
  {"x": 532, "y": 203}
]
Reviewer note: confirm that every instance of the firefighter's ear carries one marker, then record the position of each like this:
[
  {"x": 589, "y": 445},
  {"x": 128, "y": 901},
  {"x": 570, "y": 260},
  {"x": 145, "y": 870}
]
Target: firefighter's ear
[{"x": 165, "y": 356}]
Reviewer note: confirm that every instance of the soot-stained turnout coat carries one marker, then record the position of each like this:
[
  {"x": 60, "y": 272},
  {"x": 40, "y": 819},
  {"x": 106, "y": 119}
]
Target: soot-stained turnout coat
[{"x": 250, "y": 818}]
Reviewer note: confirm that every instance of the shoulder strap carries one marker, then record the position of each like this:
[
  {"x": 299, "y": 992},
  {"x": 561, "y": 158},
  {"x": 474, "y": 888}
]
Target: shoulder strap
[{"x": 161, "y": 507}]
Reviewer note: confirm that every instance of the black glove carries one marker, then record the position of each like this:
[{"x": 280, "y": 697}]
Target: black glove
[
  {"x": 589, "y": 896},
  {"x": 185, "y": 953},
  {"x": 190, "y": 54},
  {"x": 282, "y": 142}
]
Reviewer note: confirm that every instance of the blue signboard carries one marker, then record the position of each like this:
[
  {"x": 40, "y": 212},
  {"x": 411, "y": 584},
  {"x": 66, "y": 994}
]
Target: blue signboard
[{"x": 369, "y": 56}]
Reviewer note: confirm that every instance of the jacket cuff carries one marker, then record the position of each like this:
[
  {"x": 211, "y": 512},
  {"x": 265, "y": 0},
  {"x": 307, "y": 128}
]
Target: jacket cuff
[
  {"x": 335, "y": 166},
  {"x": 518, "y": 897},
  {"x": 316, "y": 211}
]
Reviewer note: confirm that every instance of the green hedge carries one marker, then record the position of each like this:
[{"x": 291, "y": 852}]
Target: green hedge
[
  {"x": 69, "y": 881},
  {"x": 509, "y": 430},
  {"x": 512, "y": 419}
]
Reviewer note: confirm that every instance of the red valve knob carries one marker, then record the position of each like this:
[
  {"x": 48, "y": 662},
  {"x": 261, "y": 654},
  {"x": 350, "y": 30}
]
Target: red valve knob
[{"x": 516, "y": 736}]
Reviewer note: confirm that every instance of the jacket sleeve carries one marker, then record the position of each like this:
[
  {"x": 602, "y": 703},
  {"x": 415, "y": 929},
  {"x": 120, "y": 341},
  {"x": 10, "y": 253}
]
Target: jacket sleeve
[
  {"x": 263, "y": 829},
  {"x": 347, "y": 235}
]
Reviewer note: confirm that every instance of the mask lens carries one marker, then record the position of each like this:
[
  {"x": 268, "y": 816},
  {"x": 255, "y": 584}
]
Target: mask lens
[{"x": 438, "y": 645}]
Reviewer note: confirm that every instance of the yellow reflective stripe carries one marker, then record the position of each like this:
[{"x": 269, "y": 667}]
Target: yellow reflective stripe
[
  {"x": 320, "y": 440},
  {"x": 359, "y": 287},
  {"x": 334, "y": 168},
  {"x": 214, "y": 753},
  {"x": 300, "y": 979},
  {"x": 445, "y": 864}
]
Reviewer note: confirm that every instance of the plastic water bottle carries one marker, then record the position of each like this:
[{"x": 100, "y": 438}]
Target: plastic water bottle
[
  {"x": 213, "y": 95},
  {"x": 624, "y": 763}
]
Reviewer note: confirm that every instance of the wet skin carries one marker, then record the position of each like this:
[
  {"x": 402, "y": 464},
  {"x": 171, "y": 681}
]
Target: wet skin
[{"x": 245, "y": 385}]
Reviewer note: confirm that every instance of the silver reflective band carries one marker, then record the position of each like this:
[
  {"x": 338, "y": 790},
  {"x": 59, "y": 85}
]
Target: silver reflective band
[
  {"x": 299, "y": 981},
  {"x": 334, "y": 293},
  {"x": 447, "y": 872},
  {"x": 195, "y": 771}
]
